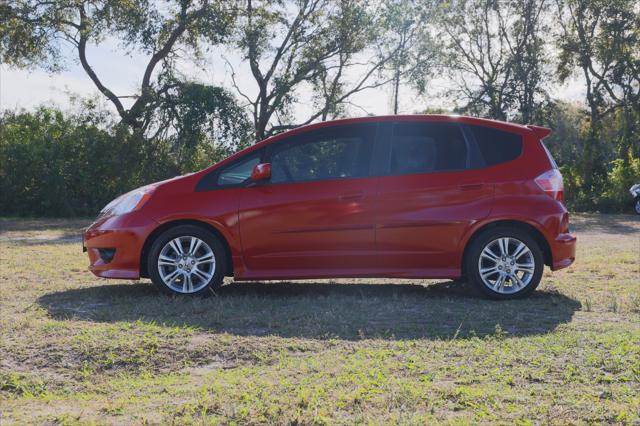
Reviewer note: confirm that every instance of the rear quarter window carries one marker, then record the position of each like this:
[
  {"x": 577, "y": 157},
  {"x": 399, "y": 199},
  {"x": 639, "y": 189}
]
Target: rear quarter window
[{"x": 496, "y": 146}]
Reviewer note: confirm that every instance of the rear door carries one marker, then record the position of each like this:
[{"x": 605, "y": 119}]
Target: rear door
[
  {"x": 316, "y": 215},
  {"x": 429, "y": 195}
]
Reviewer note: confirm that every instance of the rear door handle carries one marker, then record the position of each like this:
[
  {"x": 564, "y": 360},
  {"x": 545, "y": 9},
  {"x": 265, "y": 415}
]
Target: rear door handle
[
  {"x": 471, "y": 186},
  {"x": 352, "y": 196}
]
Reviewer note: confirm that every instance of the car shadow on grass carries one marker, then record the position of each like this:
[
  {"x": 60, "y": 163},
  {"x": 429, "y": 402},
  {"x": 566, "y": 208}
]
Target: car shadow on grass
[{"x": 320, "y": 310}]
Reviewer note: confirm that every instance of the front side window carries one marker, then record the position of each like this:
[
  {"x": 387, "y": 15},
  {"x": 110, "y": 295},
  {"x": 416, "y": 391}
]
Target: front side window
[
  {"x": 239, "y": 172},
  {"x": 337, "y": 153},
  {"x": 427, "y": 148}
]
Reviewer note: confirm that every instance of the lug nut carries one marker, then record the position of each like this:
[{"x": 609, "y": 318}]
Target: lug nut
[{"x": 180, "y": 265}]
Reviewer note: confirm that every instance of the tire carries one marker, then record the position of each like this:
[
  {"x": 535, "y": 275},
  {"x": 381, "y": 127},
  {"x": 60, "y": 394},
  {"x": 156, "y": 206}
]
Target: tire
[
  {"x": 511, "y": 277},
  {"x": 636, "y": 205},
  {"x": 200, "y": 269}
]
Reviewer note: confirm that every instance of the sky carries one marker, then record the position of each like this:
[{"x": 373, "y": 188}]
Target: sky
[{"x": 122, "y": 73}]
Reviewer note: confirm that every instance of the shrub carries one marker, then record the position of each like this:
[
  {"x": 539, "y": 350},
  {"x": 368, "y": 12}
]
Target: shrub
[
  {"x": 624, "y": 173},
  {"x": 52, "y": 165}
]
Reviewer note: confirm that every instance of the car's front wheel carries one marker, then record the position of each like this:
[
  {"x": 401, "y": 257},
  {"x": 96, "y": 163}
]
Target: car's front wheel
[
  {"x": 187, "y": 260},
  {"x": 505, "y": 263},
  {"x": 636, "y": 205}
]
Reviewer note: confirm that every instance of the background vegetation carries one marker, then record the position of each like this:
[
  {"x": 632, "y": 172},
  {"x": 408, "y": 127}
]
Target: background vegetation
[{"x": 502, "y": 60}]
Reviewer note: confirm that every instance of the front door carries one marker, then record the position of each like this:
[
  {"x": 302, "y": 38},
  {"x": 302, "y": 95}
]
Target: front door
[{"x": 315, "y": 216}]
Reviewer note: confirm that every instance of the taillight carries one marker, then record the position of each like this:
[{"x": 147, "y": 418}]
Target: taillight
[{"x": 551, "y": 183}]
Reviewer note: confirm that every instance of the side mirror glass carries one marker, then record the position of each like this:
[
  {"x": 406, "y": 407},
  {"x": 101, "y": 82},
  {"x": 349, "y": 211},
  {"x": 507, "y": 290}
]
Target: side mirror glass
[{"x": 261, "y": 172}]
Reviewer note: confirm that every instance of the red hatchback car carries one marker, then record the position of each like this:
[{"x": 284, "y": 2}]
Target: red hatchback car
[{"x": 397, "y": 196}]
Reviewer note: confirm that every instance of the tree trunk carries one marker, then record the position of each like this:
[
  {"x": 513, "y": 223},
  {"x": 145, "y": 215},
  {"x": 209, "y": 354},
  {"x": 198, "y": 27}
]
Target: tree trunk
[{"x": 396, "y": 91}]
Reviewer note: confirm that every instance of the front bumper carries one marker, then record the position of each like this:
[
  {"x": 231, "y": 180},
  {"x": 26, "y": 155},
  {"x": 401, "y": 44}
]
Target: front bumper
[
  {"x": 126, "y": 234},
  {"x": 563, "y": 250}
]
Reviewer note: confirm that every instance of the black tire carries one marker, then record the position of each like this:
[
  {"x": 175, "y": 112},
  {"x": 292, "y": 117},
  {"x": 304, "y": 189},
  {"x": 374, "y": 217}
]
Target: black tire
[
  {"x": 636, "y": 205},
  {"x": 472, "y": 266},
  {"x": 211, "y": 240}
]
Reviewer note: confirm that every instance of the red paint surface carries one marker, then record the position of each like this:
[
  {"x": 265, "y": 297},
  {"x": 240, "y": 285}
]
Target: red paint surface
[{"x": 413, "y": 226}]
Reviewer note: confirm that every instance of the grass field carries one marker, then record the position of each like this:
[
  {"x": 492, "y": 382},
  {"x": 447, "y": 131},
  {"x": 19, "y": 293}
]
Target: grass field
[{"x": 78, "y": 349}]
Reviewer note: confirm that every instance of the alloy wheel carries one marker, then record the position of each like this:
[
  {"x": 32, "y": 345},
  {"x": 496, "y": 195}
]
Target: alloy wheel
[
  {"x": 506, "y": 265},
  {"x": 186, "y": 264}
]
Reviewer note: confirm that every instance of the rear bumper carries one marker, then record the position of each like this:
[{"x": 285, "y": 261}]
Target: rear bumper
[
  {"x": 126, "y": 234},
  {"x": 563, "y": 250}
]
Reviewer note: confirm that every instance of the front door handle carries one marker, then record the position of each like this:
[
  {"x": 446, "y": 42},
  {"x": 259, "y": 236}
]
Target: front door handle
[
  {"x": 352, "y": 196},
  {"x": 471, "y": 186}
]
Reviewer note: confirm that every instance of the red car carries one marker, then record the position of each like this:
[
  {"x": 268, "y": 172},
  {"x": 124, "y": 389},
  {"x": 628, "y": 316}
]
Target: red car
[{"x": 398, "y": 197}]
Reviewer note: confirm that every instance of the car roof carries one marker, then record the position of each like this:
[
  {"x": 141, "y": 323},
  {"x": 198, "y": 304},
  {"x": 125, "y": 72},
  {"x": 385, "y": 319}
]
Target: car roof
[{"x": 413, "y": 117}]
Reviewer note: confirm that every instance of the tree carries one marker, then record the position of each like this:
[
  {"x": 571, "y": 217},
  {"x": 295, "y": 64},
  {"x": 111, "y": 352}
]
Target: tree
[
  {"x": 289, "y": 44},
  {"x": 35, "y": 33},
  {"x": 566, "y": 120},
  {"x": 408, "y": 41},
  {"x": 496, "y": 54},
  {"x": 202, "y": 123},
  {"x": 527, "y": 48},
  {"x": 601, "y": 39}
]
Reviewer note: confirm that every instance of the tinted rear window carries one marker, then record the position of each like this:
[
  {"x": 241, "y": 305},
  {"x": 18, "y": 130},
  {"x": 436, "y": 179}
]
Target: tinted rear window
[
  {"x": 427, "y": 147},
  {"x": 497, "y": 146}
]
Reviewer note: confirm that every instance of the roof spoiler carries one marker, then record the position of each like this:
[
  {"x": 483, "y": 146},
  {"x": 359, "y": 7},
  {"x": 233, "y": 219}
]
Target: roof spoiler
[{"x": 541, "y": 132}]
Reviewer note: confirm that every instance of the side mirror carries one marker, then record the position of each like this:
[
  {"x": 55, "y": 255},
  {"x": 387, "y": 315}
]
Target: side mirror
[{"x": 261, "y": 172}]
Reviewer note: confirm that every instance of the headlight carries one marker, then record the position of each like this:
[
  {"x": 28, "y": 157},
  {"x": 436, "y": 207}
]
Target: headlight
[{"x": 128, "y": 202}]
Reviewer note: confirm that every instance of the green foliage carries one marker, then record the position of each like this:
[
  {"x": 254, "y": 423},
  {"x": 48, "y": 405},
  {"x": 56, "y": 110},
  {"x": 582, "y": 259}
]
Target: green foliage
[
  {"x": 38, "y": 33},
  {"x": 624, "y": 174},
  {"x": 609, "y": 193},
  {"x": 57, "y": 165},
  {"x": 201, "y": 124},
  {"x": 52, "y": 165},
  {"x": 610, "y": 177},
  {"x": 501, "y": 60}
]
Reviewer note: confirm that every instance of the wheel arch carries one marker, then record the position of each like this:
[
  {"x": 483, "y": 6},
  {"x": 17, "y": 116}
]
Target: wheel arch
[
  {"x": 144, "y": 272},
  {"x": 532, "y": 230}
]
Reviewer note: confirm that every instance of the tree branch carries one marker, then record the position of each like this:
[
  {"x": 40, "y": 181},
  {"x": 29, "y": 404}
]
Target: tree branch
[{"x": 82, "y": 47}]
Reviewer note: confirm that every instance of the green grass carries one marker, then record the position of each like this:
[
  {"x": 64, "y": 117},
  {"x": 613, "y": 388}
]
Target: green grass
[{"x": 78, "y": 349}]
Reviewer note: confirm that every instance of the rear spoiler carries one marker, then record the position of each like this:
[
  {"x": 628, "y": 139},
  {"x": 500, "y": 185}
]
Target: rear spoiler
[{"x": 541, "y": 132}]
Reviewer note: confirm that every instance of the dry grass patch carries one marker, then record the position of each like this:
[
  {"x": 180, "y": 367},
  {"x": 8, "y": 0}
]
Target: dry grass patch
[{"x": 78, "y": 349}]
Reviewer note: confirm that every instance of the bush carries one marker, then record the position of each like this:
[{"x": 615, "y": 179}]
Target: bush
[
  {"x": 609, "y": 194},
  {"x": 52, "y": 165},
  {"x": 624, "y": 174}
]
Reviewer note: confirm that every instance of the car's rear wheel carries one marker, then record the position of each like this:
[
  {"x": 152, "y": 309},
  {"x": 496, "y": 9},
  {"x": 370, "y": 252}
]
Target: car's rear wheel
[
  {"x": 505, "y": 263},
  {"x": 636, "y": 205},
  {"x": 187, "y": 260}
]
